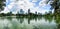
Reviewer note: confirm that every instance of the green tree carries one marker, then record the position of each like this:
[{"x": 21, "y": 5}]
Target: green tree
[
  {"x": 9, "y": 13},
  {"x": 2, "y": 4},
  {"x": 56, "y": 6}
]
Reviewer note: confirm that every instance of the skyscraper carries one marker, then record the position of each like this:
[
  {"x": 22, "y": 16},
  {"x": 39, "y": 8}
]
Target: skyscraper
[
  {"x": 21, "y": 11},
  {"x": 28, "y": 11},
  {"x": 36, "y": 12}
]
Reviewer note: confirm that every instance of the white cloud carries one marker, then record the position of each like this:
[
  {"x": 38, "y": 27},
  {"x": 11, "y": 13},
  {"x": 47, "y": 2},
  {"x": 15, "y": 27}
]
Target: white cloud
[
  {"x": 24, "y": 4},
  {"x": 5, "y": 10},
  {"x": 34, "y": 0},
  {"x": 38, "y": 10},
  {"x": 16, "y": 5},
  {"x": 43, "y": 3},
  {"x": 50, "y": 2}
]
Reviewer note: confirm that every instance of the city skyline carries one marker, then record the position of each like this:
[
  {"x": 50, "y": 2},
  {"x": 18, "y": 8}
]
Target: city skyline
[{"x": 34, "y": 5}]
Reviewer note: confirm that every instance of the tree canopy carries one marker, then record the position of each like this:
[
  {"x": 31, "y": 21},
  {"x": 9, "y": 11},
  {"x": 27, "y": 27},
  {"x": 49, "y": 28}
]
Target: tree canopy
[
  {"x": 55, "y": 4},
  {"x": 2, "y": 4}
]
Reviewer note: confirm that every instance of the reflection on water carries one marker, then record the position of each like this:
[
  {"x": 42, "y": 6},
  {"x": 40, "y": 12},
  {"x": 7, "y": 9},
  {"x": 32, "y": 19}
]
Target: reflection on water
[{"x": 27, "y": 23}]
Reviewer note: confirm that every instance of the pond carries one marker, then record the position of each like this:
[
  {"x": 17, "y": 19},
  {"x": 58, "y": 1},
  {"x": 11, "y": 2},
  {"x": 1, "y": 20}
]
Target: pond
[{"x": 28, "y": 23}]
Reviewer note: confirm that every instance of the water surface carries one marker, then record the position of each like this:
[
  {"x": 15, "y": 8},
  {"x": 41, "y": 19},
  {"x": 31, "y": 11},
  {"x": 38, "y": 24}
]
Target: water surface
[{"x": 28, "y": 23}]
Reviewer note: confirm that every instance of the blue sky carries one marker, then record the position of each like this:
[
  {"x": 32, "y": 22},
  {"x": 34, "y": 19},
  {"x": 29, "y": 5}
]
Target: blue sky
[{"x": 34, "y": 5}]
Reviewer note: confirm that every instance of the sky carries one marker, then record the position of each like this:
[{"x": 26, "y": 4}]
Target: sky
[{"x": 34, "y": 5}]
